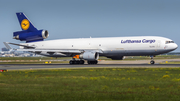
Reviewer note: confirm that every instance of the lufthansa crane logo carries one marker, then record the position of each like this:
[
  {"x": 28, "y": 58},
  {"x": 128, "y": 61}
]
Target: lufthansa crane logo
[{"x": 25, "y": 24}]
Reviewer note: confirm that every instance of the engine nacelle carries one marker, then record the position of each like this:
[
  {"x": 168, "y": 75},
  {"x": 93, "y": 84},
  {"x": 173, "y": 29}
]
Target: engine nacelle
[
  {"x": 89, "y": 55},
  {"x": 31, "y": 36},
  {"x": 117, "y": 57}
]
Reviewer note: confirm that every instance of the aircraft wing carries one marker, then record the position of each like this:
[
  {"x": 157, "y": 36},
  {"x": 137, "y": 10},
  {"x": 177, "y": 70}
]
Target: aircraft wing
[
  {"x": 50, "y": 50},
  {"x": 64, "y": 51}
]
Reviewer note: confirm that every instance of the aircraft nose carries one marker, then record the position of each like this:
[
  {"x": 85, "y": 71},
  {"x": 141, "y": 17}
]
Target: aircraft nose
[{"x": 174, "y": 46}]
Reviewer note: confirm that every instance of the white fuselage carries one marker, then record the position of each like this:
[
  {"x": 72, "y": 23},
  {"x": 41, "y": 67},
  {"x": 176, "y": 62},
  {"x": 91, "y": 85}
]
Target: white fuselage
[{"x": 112, "y": 46}]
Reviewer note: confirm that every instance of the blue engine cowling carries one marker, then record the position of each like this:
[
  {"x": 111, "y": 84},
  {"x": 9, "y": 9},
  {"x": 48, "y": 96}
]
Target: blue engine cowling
[{"x": 39, "y": 35}]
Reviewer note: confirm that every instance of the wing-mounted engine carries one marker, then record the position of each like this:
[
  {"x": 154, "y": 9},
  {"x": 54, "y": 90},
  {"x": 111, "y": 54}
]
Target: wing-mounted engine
[
  {"x": 89, "y": 55},
  {"x": 39, "y": 35}
]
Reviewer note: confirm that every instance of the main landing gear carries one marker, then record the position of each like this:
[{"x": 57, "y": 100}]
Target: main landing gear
[
  {"x": 93, "y": 62},
  {"x": 152, "y": 60},
  {"x": 82, "y": 62},
  {"x": 76, "y": 62}
]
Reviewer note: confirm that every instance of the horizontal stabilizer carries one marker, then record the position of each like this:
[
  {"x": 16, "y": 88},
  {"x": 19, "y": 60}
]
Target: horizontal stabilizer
[
  {"x": 7, "y": 46},
  {"x": 25, "y": 46}
]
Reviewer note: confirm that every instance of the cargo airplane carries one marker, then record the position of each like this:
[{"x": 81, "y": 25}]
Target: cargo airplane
[{"x": 89, "y": 48}]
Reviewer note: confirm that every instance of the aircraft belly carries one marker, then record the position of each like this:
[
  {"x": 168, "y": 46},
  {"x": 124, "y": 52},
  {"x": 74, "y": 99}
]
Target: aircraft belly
[{"x": 133, "y": 52}]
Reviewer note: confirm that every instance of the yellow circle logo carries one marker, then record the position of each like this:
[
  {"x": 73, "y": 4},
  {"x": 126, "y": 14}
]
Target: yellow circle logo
[{"x": 25, "y": 24}]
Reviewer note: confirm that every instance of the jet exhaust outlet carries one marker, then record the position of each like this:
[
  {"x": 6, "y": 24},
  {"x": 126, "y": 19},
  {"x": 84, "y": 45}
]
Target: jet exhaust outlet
[{"x": 45, "y": 34}]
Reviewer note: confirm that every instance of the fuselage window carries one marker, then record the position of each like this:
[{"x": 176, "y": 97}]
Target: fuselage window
[{"x": 167, "y": 42}]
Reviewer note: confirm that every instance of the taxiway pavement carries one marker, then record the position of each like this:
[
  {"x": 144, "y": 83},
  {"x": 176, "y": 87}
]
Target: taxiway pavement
[{"x": 67, "y": 66}]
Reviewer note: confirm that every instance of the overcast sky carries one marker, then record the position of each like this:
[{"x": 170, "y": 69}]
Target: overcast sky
[{"x": 95, "y": 18}]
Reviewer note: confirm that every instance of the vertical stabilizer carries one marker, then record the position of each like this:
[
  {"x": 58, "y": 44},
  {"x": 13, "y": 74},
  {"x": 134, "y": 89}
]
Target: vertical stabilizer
[
  {"x": 29, "y": 33},
  {"x": 25, "y": 23}
]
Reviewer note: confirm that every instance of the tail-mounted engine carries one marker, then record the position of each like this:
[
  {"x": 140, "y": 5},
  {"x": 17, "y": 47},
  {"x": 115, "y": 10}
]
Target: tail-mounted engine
[{"x": 38, "y": 35}]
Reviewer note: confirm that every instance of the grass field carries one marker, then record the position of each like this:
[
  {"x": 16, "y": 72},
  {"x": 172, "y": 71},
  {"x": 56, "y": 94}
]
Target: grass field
[{"x": 106, "y": 84}]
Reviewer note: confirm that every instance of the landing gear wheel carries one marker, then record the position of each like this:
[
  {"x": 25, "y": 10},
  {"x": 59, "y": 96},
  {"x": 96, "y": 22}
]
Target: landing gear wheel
[
  {"x": 89, "y": 62},
  {"x": 71, "y": 62},
  {"x": 76, "y": 62},
  {"x": 81, "y": 62},
  {"x": 93, "y": 62},
  {"x": 152, "y": 62}
]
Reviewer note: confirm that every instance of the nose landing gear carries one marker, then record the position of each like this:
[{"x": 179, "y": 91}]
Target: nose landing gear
[{"x": 152, "y": 60}]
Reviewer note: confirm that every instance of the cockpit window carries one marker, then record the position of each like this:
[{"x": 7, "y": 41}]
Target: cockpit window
[{"x": 167, "y": 42}]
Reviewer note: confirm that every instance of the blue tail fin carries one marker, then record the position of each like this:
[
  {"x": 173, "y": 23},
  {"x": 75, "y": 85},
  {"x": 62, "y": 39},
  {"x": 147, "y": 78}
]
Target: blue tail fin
[
  {"x": 29, "y": 33},
  {"x": 25, "y": 24}
]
